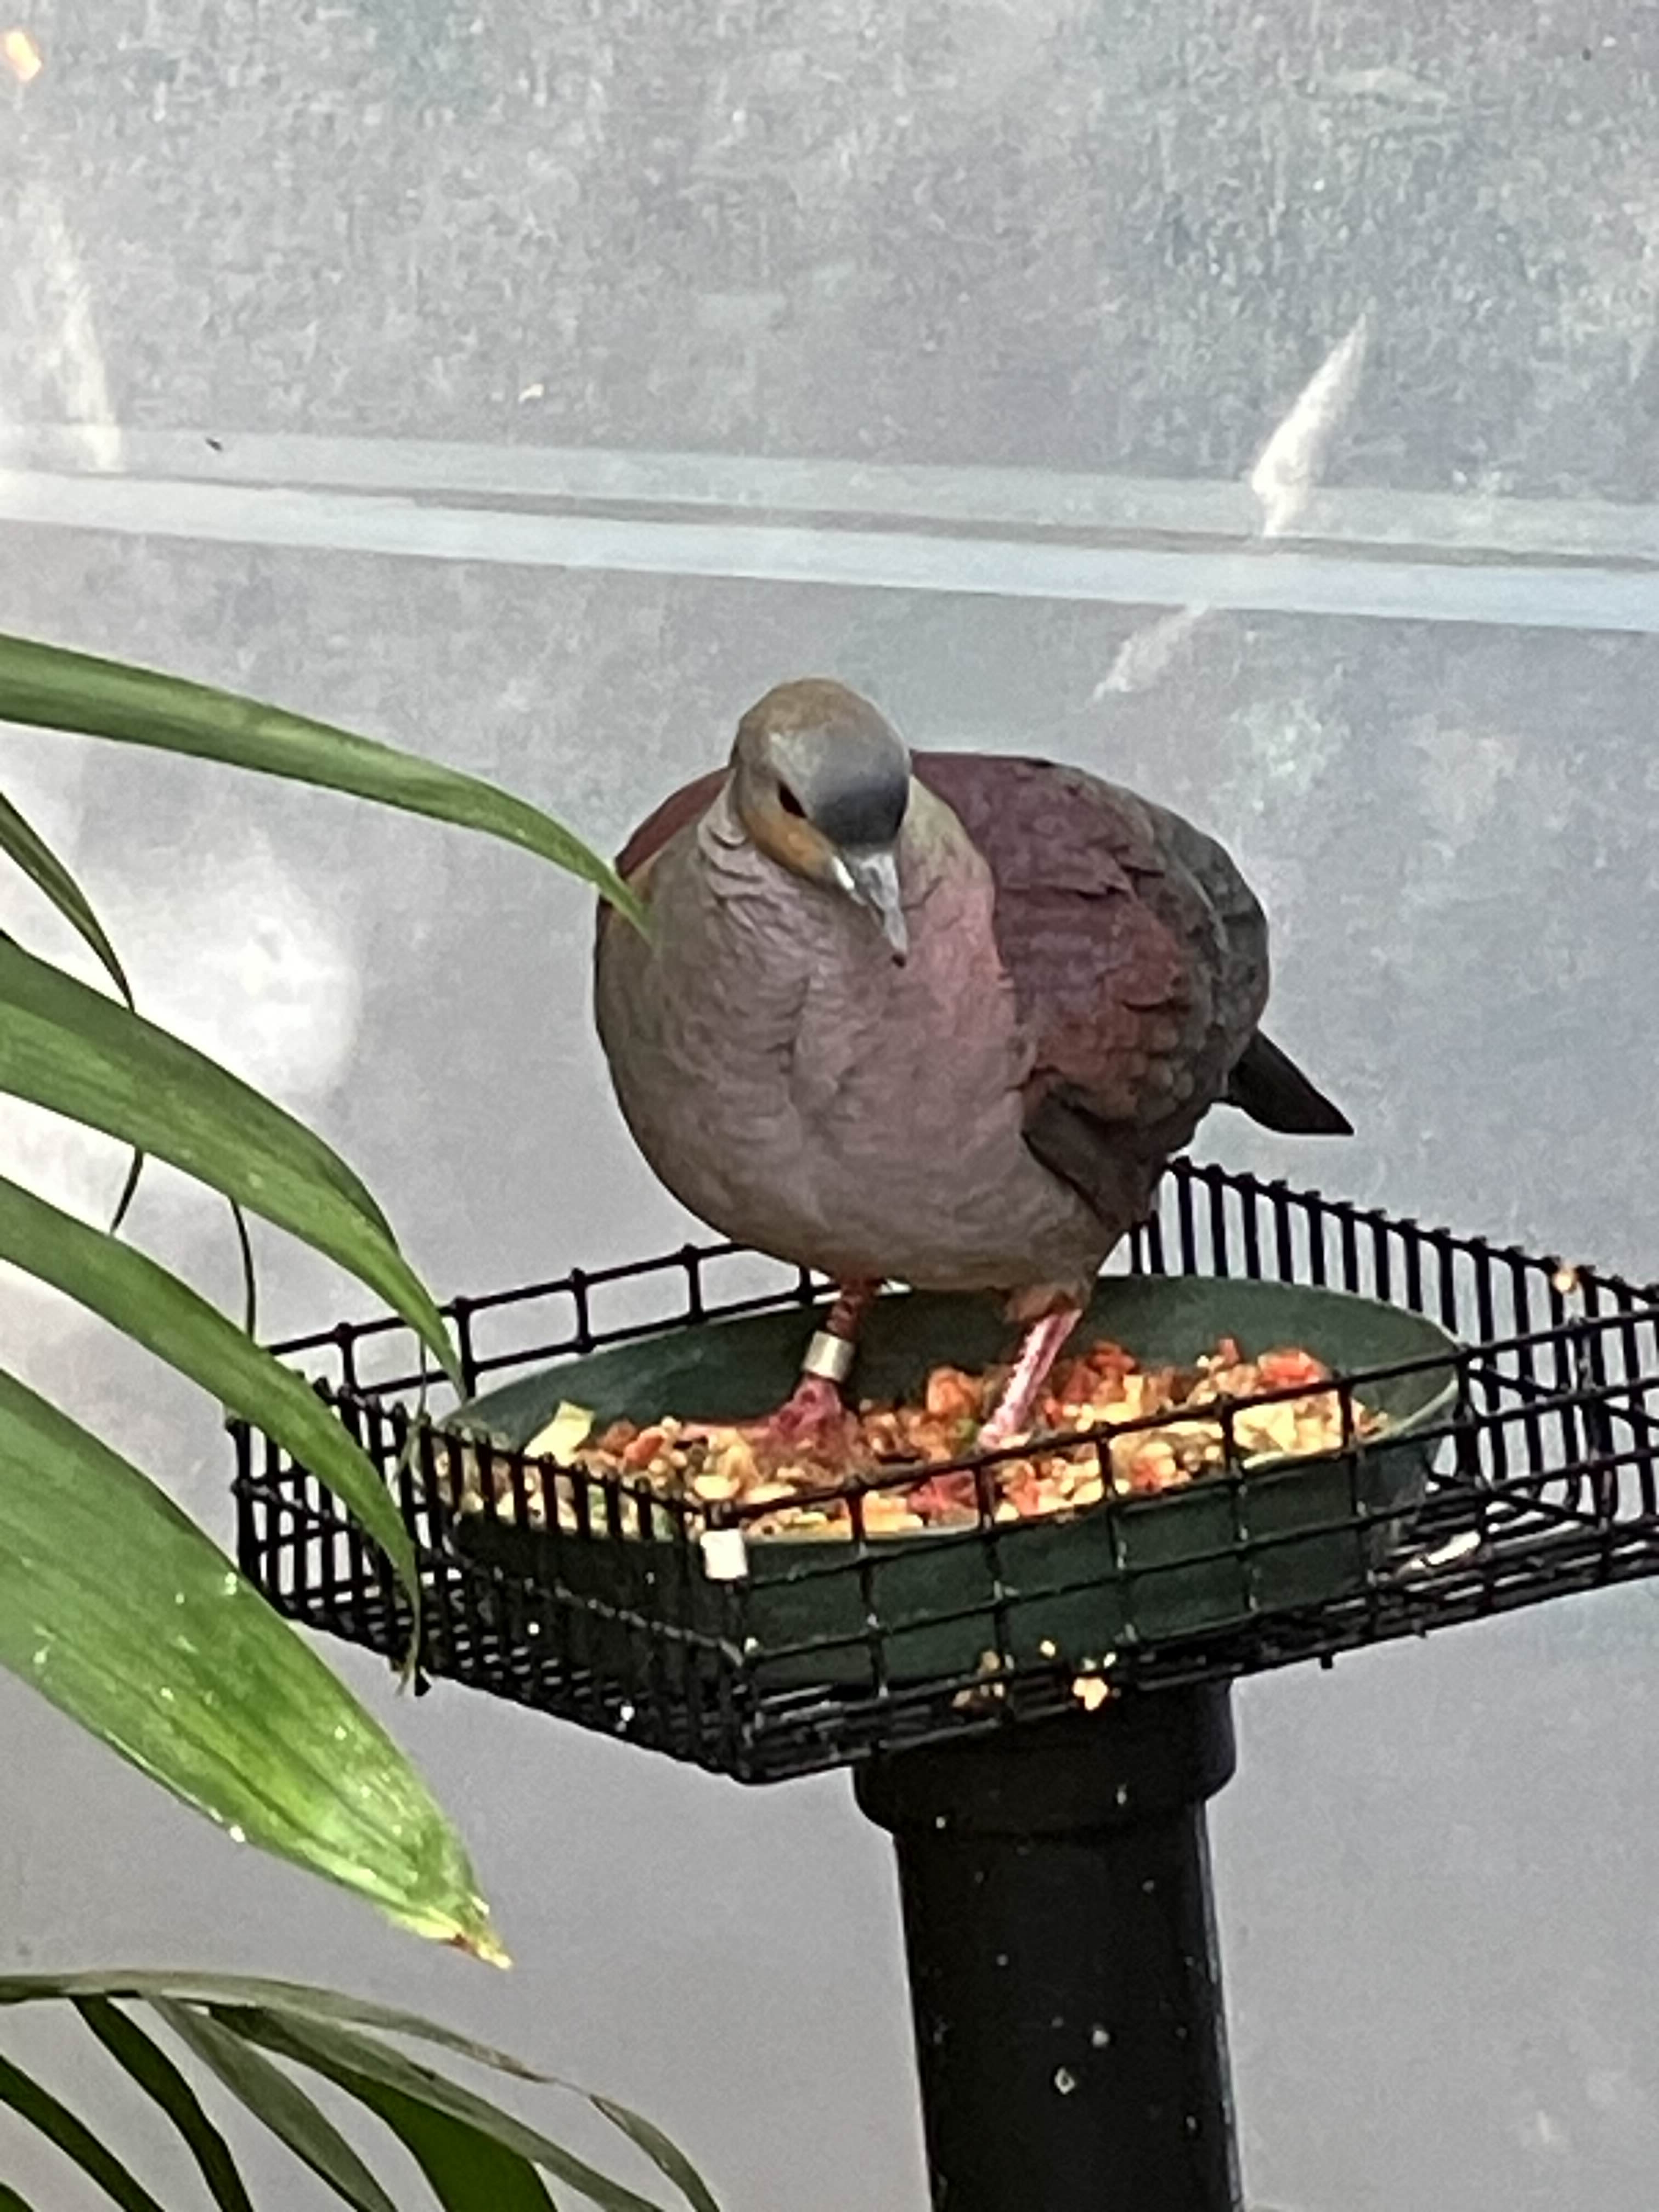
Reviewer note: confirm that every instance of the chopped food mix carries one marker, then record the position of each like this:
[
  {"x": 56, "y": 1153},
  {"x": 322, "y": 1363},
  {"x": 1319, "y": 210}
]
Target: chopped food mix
[{"x": 1091, "y": 1396}]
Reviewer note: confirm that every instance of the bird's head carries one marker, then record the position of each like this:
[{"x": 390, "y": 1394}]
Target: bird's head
[{"x": 820, "y": 781}]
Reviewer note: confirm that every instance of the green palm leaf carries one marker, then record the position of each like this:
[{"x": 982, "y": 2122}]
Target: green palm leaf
[
  {"x": 333, "y": 2050},
  {"x": 43, "y": 867},
  {"x": 148, "y": 2066},
  {"x": 70, "y": 1049},
  {"x": 47, "y": 872},
  {"x": 466, "y": 2170},
  {"x": 168, "y": 1318},
  {"x": 280, "y": 2105},
  {"x": 299, "y": 2002},
  {"x": 475, "y": 2158},
  {"x": 58, "y": 690},
  {"x": 116, "y": 1606},
  {"x": 58, "y": 2125}
]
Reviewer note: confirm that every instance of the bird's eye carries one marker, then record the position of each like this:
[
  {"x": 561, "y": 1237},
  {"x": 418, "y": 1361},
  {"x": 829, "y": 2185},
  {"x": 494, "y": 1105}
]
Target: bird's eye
[{"x": 790, "y": 804}]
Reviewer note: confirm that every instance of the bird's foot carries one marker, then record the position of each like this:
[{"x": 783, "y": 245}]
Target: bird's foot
[
  {"x": 1012, "y": 1416},
  {"x": 813, "y": 1414},
  {"x": 813, "y": 1417}
]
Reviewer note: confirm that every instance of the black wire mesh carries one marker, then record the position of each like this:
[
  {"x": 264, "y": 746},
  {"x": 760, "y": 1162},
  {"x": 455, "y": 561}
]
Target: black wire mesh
[{"x": 1541, "y": 1482}]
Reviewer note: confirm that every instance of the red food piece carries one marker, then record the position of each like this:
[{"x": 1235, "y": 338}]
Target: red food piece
[{"x": 943, "y": 1497}]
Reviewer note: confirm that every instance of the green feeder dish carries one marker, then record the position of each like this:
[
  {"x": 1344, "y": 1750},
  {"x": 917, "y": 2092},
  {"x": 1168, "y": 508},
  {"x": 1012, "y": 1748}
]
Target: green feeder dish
[{"x": 1065, "y": 1590}]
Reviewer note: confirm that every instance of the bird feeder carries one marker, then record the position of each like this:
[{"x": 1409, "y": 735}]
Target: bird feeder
[{"x": 1037, "y": 1712}]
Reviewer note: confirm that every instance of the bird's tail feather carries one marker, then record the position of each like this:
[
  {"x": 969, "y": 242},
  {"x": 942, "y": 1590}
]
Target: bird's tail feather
[{"x": 1268, "y": 1084}]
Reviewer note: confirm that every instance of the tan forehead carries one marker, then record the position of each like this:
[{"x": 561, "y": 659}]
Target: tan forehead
[{"x": 817, "y": 707}]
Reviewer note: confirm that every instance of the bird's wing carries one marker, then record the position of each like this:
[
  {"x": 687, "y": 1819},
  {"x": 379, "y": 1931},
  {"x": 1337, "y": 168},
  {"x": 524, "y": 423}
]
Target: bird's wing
[{"x": 1137, "y": 952}]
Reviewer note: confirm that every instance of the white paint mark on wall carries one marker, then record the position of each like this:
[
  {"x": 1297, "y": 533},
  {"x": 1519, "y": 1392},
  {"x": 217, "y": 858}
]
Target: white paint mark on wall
[
  {"x": 1293, "y": 458},
  {"x": 1146, "y": 655},
  {"x": 1284, "y": 479},
  {"x": 53, "y": 292},
  {"x": 232, "y": 953}
]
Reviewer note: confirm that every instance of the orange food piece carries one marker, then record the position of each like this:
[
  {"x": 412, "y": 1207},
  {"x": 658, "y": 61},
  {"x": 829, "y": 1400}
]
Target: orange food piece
[
  {"x": 951, "y": 1395},
  {"x": 1153, "y": 1467},
  {"x": 1075, "y": 1384},
  {"x": 1027, "y": 1493},
  {"x": 1289, "y": 1369}
]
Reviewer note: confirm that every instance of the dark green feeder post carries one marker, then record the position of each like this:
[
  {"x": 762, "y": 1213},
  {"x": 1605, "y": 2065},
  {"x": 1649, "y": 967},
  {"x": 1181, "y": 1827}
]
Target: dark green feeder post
[{"x": 1065, "y": 1978}]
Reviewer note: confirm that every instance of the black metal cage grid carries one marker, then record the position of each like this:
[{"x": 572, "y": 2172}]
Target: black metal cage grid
[{"x": 1541, "y": 1482}]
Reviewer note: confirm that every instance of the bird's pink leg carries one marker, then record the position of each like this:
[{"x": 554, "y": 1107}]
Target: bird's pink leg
[
  {"x": 816, "y": 1406},
  {"x": 1012, "y": 1415},
  {"x": 815, "y": 1409}
]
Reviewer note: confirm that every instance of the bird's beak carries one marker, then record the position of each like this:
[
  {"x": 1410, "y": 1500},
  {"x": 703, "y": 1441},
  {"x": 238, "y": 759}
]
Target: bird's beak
[{"x": 872, "y": 880}]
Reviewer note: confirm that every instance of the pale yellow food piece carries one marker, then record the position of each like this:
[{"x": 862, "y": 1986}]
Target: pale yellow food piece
[
  {"x": 563, "y": 1436},
  {"x": 885, "y": 1509},
  {"x": 1266, "y": 1428}
]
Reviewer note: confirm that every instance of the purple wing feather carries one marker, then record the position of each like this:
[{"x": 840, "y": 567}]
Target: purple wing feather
[{"x": 1137, "y": 952}]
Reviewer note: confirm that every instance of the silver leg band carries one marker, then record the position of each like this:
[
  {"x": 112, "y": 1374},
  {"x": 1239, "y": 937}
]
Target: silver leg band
[{"x": 829, "y": 1356}]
